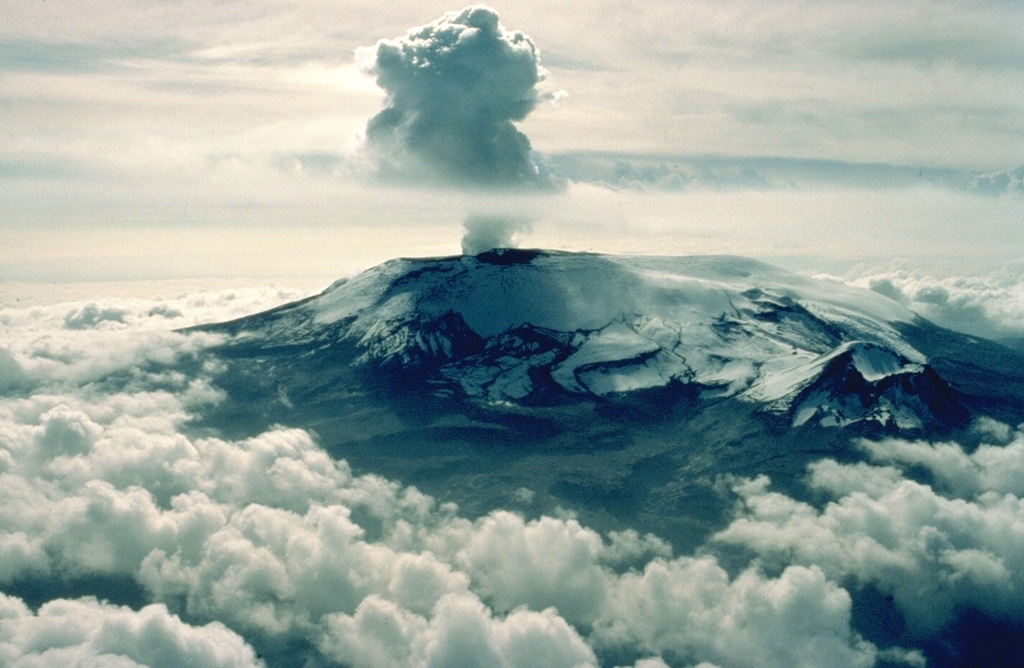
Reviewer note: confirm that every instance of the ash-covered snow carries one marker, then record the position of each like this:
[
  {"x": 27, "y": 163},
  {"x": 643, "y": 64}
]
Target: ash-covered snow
[
  {"x": 872, "y": 361},
  {"x": 584, "y": 292},
  {"x": 618, "y": 345},
  {"x": 875, "y": 362},
  {"x": 495, "y": 325},
  {"x": 857, "y": 381}
]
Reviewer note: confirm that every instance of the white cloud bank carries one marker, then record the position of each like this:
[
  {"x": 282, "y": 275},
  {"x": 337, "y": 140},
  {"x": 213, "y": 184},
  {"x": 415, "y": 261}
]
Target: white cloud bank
[
  {"x": 266, "y": 546},
  {"x": 991, "y": 306},
  {"x": 939, "y": 548},
  {"x": 86, "y": 633}
]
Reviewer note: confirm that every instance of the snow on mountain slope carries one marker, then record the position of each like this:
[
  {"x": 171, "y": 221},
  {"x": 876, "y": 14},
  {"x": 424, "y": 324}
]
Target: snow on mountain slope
[
  {"x": 511, "y": 325},
  {"x": 855, "y": 382},
  {"x": 500, "y": 290}
]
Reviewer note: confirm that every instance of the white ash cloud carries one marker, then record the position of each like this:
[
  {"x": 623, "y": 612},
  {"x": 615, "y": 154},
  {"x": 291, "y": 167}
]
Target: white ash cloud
[
  {"x": 455, "y": 89},
  {"x": 484, "y": 233}
]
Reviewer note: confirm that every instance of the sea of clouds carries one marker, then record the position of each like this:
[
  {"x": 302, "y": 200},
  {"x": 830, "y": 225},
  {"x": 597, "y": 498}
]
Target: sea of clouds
[{"x": 129, "y": 536}]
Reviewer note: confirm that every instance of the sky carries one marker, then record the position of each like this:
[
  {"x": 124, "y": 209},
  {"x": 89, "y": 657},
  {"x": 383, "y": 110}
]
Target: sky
[{"x": 247, "y": 141}]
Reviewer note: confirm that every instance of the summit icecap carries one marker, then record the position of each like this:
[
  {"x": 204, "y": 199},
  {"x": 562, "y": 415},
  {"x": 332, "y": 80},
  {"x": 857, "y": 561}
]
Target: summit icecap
[{"x": 527, "y": 326}]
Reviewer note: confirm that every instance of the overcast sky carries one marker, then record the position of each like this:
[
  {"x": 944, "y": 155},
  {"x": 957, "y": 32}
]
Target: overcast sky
[{"x": 158, "y": 140}]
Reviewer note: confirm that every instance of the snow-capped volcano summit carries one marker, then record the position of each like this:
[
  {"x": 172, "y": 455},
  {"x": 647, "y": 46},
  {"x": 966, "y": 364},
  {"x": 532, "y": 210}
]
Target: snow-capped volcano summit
[{"x": 522, "y": 327}]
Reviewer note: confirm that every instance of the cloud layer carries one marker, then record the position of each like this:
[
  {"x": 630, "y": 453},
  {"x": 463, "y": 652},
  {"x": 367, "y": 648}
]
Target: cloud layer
[
  {"x": 942, "y": 543},
  {"x": 991, "y": 306},
  {"x": 266, "y": 547},
  {"x": 86, "y": 632},
  {"x": 174, "y": 544},
  {"x": 455, "y": 89}
]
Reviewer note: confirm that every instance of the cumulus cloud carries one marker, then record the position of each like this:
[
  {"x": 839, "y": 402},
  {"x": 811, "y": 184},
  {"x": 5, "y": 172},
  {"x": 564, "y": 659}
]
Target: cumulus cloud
[
  {"x": 691, "y": 608},
  {"x": 1000, "y": 182},
  {"x": 455, "y": 89},
  {"x": 285, "y": 546},
  {"x": 484, "y": 233},
  {"x": 461, "y": 632},
  {"x": 266, "y": 545},
  {"x": 989, "y": 469},
  {"x": 938, "y": 549},
  {"x": 91, "y": 315},
  {"x": 71, "y": 344},
  {"x": 11, "y": 375},
  {"x": 989, "y": 306},
  {"x": 86, "y": 632}
]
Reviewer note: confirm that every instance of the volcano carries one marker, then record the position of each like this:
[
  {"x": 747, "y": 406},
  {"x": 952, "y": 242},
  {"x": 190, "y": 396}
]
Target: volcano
[{"x": 620, "y": 387}]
